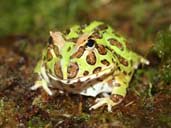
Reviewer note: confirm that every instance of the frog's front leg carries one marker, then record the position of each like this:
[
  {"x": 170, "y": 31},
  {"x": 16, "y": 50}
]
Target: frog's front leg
[
  {"x": 119, "y": 86},
  {"x": 42, "y": 82}
]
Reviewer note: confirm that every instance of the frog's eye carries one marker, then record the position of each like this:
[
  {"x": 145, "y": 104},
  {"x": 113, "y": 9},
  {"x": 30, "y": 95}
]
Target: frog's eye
[
  {"x": 50, "y": 40},
  {"x": 90, "y": 43}
]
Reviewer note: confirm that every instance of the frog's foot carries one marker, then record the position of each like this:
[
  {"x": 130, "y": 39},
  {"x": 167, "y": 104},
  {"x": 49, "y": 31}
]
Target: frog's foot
[
  {"x": 106, "y": 100},
  {"x": 41, "y": 83},
  {"x": 144, "y": 61}
]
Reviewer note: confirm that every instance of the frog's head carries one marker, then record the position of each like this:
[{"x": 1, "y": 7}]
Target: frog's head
[{"x": 79, "y": 54}]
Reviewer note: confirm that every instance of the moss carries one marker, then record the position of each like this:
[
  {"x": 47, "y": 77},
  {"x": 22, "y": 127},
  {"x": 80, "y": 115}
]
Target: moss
[
  {"x": 37, "y": 122},
  {"x": 162, "y": 48},
  {"x": 166, "y": 72},
  {"x": 165, "y": 119},
  {"x": 162, "y": 45}
]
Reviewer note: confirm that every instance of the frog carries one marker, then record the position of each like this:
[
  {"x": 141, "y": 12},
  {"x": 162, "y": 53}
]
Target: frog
[{"x": 91, "y": 60}]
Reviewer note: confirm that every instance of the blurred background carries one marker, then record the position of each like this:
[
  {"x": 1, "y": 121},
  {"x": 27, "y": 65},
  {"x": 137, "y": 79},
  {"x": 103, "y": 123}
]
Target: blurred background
[
  {"x": 24, "y": 31},
  {"x": 36, "y": 18}
]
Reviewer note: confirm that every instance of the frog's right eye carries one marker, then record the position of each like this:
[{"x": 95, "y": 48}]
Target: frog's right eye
[
  {"x": 50, "y": 40},
  {"x": 90, "y": 43}
]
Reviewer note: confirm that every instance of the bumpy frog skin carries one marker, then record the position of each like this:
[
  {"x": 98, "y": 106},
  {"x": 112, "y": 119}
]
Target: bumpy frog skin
[{"x": 88, "y": 60}]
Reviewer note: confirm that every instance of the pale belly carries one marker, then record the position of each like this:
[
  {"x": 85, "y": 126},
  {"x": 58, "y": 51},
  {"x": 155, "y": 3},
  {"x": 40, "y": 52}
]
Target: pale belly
[
  {"x": 89, "y": 88},
  {"x": 96, "y": 89}
]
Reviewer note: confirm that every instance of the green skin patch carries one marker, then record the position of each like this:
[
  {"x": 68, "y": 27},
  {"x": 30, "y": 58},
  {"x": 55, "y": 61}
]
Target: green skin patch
[{"x": 86, "y": 54}]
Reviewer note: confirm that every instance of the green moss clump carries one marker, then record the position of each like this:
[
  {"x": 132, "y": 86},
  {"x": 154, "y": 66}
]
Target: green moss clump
[
  {"x": 163, "y": 45},
  {"x": 163, "y": 50}
]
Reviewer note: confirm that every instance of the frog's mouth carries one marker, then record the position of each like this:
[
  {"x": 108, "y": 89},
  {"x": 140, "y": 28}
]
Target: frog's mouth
[{"x": 87, "y": 78}]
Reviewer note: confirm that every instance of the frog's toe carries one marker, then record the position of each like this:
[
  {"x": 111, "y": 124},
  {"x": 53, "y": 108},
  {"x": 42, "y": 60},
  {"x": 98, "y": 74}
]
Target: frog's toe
[
  {"x": 43, "y": 84},
  {"x": 144, "y": 61},
  {"x": 102, "y": 101},
  {"x": 36, "y": 85}
]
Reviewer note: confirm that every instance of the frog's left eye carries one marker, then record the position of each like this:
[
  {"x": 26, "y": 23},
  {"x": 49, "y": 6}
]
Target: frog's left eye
[{"x": 90, "y": 43}]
